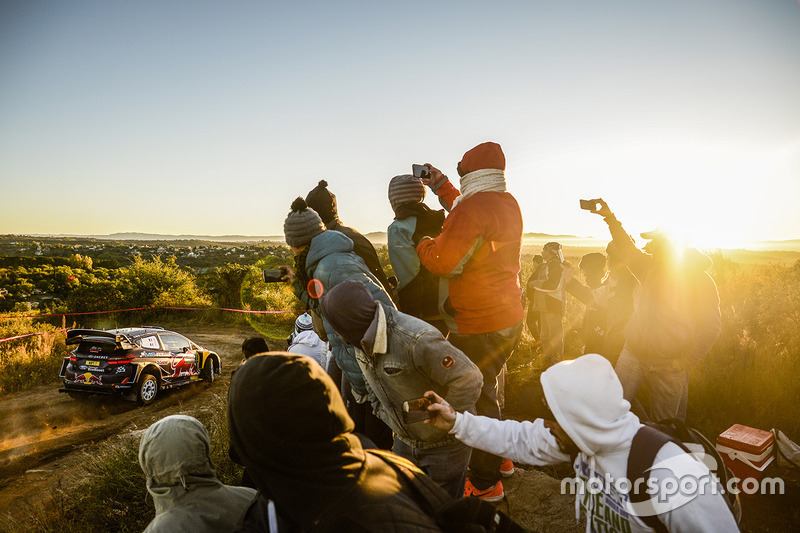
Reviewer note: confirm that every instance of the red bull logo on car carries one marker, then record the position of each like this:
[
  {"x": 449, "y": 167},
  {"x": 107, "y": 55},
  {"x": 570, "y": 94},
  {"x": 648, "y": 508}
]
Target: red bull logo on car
[{"x": 88, "y": 378}]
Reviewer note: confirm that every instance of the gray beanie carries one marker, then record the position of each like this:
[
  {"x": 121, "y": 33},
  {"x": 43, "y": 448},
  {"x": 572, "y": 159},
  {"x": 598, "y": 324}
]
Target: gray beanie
[
  {"x": 302, "y": 224},
  {"x": 405, "y": 189}
]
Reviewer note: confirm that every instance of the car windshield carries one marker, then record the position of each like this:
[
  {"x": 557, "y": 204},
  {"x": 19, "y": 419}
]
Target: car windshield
[{"x": 174, "y": 342}]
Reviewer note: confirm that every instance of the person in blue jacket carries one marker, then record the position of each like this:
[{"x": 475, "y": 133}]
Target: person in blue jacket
[{"x": 323, "y": 259}]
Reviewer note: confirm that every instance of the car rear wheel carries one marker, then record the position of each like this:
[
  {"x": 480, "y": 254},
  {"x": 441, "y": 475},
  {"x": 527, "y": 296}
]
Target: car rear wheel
[
  {"x": 207, "y": 373},
  {"x": 147, "y": 390}
]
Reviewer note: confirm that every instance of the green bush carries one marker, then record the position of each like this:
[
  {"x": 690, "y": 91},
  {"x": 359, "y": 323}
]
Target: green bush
[{"x": 32, "y": 360}]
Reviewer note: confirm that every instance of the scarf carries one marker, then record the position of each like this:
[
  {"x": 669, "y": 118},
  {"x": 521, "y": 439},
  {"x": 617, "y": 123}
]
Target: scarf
[{"x": 483, "y": 180}]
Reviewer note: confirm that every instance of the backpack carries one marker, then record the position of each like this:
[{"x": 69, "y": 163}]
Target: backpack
[
  {"x": 465, "y": 515},
  {"x": 649, "y": 440}
]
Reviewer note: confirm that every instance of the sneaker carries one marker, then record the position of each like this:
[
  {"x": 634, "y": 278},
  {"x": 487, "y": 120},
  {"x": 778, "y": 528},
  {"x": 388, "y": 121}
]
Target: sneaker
[
  {"x": 492, "y": 494},
  {"x": 506, "y": 468}
]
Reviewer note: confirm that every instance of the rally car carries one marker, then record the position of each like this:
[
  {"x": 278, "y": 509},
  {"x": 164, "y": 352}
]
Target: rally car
[{"x": 134, "y": 362}]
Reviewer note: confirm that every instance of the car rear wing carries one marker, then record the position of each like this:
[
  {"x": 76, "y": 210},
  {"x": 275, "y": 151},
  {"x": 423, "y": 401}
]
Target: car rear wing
[{"x": 75, "y": 336}]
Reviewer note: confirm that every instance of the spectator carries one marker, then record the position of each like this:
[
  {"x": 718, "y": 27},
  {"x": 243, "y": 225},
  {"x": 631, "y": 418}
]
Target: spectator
[
  {"x": 549, "y": 298},
  {"x": 303, "y": 455},
  {"x": 402, "y": 357},
  {"x": 591, "y": 425},
  {"x": 615, "y": 299},
  {"x": 254, "y": 345},
  {"x": 593, "y": 268},
  {"x": 306, "y": 342},
  {"x": 533, "y": 317},
  {"x": 321, "y": 200},
  {"x": 478, "y": 252},
  {"x": 675, "y": 320},
  {"x": 419, "y": 292},
  {"x": 174, "y": 456},
  {"x": 324, "y": 258}
]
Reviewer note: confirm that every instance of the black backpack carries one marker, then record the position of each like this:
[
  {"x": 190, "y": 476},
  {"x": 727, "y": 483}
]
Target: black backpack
[
  {"x": 645, "y": 446},
  {"x": 465, "y": 515}
]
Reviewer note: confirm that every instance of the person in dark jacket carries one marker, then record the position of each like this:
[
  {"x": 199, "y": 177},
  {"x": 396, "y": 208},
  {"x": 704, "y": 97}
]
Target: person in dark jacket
[
  {"x": 323, "y": 201},
  {"x": 420, "y": 293},
  {"x": 299, "y": 446}
]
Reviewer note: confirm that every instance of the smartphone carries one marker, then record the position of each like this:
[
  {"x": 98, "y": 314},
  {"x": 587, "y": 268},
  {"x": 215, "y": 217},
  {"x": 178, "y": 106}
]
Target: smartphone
[
  {"x": 588, "y": 205},
  {"x": 421, "y": 171},
  {"x": 416, "y": 410},
  {"x": 273, "y": 275}
]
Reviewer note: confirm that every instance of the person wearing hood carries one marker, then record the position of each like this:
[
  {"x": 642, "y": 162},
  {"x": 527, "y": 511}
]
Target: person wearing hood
[
  {"x": 592, "y": 426},
  {"x": 174, "y": 456},
  {"x": 305, "y": 341},
  {"x": 401, "y": 357},
  {"x": 478, "y": 252},
  {"x": 549, "y": 293},
  {"x": 420, "y": 293},
  {"x": 323, "y": 259},
  {"x": 299, "y": 446},
  {"x": 323, "y": 201},
  {"x": 675, "y": 320}
]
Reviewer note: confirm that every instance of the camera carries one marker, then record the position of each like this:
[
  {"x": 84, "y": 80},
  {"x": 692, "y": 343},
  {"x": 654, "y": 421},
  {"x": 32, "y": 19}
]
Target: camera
[
  {"x": 589, "y": 205},
  {"x": 274, "y": 275},
  {"x": 421, "y": 171},
  {"x": 417, "y": 410}
]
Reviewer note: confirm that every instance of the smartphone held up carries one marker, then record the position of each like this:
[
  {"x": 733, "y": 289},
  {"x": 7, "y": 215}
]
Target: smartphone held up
[
  {"x": 589, "y": 205},
  {"x": 421, "y": 171}
]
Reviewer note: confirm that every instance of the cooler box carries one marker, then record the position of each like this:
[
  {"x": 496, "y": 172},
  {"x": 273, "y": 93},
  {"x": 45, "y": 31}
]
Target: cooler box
[{"x": 747, "y": 451}]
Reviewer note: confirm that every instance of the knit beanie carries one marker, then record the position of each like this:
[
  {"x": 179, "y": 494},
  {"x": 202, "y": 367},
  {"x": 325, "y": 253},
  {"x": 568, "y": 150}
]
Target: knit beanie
[
  {"x": 302, "y": 224},
  {"x": 405, "y": 189},
  {"x": 323, "y": 201},
  {"x": 486, "y": 155},
  {"x": 349, "y": 309},
  {"x": 303, "y": 323}
]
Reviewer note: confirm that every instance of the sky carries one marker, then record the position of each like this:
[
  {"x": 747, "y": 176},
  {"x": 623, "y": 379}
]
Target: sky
[{"x": 197, "y": 117}]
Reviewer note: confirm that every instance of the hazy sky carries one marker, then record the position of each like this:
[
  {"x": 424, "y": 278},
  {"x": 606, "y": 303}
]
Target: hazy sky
[{"x": 211, "y": 117}]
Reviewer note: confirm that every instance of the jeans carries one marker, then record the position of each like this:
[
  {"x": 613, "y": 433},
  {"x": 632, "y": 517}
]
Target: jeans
[
  {"x": 669, "y": 387},
  {"x": 489, "y": 351},
  {"x": 446, "y": 465}
]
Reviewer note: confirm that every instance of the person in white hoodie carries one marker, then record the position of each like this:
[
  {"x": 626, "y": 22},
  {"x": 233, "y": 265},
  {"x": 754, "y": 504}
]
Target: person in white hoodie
[
  {"x": 305, "y": 341},
  {"x": 593, "y": 427}
]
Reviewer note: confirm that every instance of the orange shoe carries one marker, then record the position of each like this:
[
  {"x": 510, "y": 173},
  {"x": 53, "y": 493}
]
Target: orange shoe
[
  {"x": 506, "y": 468},
  {"x": 492, "y": 494}
]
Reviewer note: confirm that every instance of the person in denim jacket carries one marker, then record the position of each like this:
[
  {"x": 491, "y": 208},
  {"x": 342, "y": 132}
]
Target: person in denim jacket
[{"x": 401, "y": 358}]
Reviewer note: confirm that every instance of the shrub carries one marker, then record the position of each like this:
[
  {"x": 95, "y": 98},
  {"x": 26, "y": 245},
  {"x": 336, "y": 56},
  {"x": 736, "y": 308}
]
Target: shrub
[{"x": 32, "y": 360}]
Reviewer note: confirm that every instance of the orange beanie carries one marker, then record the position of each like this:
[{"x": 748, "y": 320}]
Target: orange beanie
[{"x": 486, "y": 155}]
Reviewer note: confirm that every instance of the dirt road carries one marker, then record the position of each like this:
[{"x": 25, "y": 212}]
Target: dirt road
[{"x": 43, "y": 432}]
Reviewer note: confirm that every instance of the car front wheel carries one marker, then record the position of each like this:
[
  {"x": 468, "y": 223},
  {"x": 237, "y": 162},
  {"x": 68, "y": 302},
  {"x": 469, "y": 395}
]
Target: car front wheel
[
  {"x": 148, "y": 389},
  {"x": 207, "y": 374}
]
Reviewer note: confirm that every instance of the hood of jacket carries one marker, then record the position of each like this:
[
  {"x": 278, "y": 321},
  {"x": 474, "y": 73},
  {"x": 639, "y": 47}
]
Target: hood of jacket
[
  {"x": 326, "y": 243},
  {"x": 307, "y": 338},
  {"x": 289, "y": 426},
  {"x": 585, "y": 397},
  {"x": 174, "y": 456}
]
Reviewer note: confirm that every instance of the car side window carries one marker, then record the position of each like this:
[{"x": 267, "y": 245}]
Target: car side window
[
  {"x": 148, "y": 342},
  {"x": 175, "y": 343}
]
